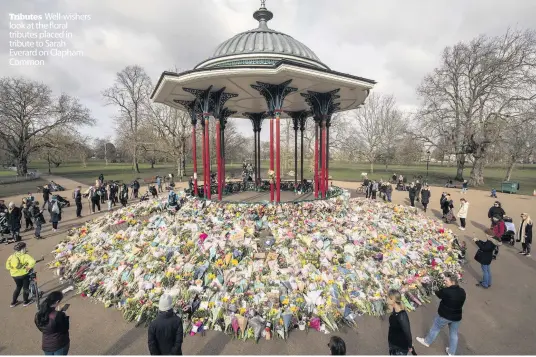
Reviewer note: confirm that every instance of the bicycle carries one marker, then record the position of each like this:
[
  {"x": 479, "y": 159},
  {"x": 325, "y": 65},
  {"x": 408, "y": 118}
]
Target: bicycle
[{"x": 35, "y": 293}]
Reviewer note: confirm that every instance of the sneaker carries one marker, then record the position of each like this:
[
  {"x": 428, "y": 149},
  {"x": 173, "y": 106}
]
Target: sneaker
[
  {"x": 15, "y": 304},
  {"x": 447, "y": 350},
  {"x": 462, "y": 229},
  {"x": 27, "y": 303},
  {"x": 527, "y": 255},
  {"x": 422, "y": 342},
  {"x": 521, "y": 252}
]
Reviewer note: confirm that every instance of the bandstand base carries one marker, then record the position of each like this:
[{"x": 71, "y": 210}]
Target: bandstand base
[{"x": 252, "y": 196}]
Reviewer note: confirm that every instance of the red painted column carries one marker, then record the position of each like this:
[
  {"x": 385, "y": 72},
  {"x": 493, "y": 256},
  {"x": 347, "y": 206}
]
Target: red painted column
[
  {"x": 204, "y": 161},
  {"x": 278, "y": 154},
  {"x": 218, "y": 158},
  {"x": 316, "y": 160},
  {"x": 271, "y": 158},
  {"x": 207, "y": 153},
  {"x": 324, "y": 159},
  {"x": 194, "y": 154}
]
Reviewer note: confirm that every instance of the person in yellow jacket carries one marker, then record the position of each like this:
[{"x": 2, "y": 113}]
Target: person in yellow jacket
[{"x": 19, "y": 264}]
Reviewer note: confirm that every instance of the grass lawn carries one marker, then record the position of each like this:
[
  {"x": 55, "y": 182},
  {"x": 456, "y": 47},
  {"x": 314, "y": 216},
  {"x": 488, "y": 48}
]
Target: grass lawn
[
  {"x": 339, "y": 170},
  {"x": 5, "y": 173}
]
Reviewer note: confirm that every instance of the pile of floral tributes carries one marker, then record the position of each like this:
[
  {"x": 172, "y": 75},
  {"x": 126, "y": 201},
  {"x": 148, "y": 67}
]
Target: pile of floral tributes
[{"x": 259, "y": 270}]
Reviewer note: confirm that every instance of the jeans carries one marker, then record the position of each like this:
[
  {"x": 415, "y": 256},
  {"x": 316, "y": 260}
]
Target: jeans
[
  {"x": 37, "y": 228},
  {"x": 486, "y": 272},
  {"x": 388, "y": 194},
  {"x": 55, "y": 225},
  {"x": 22, "y": 282},
  {"x": 64, "y": 351},
  {"x": 462, "y": 222},
  {"x": 438, "y": 324},
  {"x": 412, "y": 201},
  {"x": 15, "y": 235},
  {"x": 78, "y": 209},
  {"x": 29, "y": 223},
  {"x": 526, "y": 247},
  {"x": 425, "y": 206}
]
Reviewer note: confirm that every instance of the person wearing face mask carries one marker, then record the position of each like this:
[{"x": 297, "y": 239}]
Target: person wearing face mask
[
  {"x": 19, "y": 264},
  {"x": 52, "y": 321},
  {"x": 496, "y": 210},
  {"x": 525, "y": 234}
]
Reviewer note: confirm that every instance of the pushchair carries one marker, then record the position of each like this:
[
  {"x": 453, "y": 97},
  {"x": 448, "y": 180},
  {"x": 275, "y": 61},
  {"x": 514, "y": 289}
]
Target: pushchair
[
  {"x": 4, "y": 226},
  {"x": 510, "y": 234},
  {"x": 144, "y": 197},
  {"x": 62, "y": 201}
]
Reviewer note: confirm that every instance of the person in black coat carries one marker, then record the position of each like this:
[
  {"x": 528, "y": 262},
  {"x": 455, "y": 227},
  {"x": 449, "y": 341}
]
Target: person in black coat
[
  {"x": 399, "y": 337},
  {"x": 14, "y": 217},
  {"x": 418, "y": 187},
  {"x": 449, "y": 313},
  {"x": 52, "y": 321},
  {"x": 46, "y": 195},
  {"x": 165, "y": 332},
  {"x": 484, "y": 256},
  {"x": 412, "y": 194},
  {"x": 446, "y": 205},
  {"x": 425, "y": 197},
  {"x": 496, "y": 211}
]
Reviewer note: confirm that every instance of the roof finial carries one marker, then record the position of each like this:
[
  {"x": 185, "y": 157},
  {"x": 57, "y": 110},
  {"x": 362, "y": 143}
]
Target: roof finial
[{"x": 263, "y": 15}]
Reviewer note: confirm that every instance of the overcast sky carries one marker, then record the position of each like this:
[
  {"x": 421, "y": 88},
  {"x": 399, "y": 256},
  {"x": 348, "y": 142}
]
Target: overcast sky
[{"x": 393, "y": 42}]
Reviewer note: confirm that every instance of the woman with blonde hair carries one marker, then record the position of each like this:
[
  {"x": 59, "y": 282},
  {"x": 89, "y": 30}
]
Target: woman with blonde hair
[
  {"x": 525, "y": 234},
  {"x": 399, "y": 337}
]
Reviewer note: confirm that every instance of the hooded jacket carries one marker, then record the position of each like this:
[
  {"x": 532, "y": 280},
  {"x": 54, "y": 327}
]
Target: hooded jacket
[
  {"x": 166, "y": 334},
  {"x": 19, "y": 263}
]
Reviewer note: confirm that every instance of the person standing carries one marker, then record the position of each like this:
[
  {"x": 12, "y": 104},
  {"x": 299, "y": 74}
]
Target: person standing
[
  {"x": 449, "y": 313},
  {"x": 159, "y": 184},
  {"x": 19, "y": 264},
  {"x": 388, "y": 191},
  {"x": 27, "y": 204},
  {"x": 37, "y": 215},
  {"x": 52, "y": 321},
  {"x": 101, "y": 179},
  {"x": 484, "y": 256},
  {"x": 462, "y": 212},
  {"x": 165, "y": 333},
  {"x": 46, "y": 195},
  {"x": 55, "y": 213},
  {"x": 95, "y": 198},
  {"x": 123, "y": 195},
  {"x": 425, "y": 197},
  {"x": 446, "y": 206},
  {"x": 77, "y": 195},
  {"x": 412, "y": 194},
  {"x": 418, "y": 187},
  {"x": 374, "y": 189},
  {"x": 135, "y": 188},
  {"x": 399, "y": 337},
  {"x": 465, "y": 184},
  {"x": 496, "y": 211},
  {"x": 337, "y": 347},
  {"x": 525, "y": 234},
  {"x": 14, "y": 215}
]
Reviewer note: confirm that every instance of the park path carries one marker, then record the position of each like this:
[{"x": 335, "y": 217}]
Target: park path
[{"x": 496, "y": 321}]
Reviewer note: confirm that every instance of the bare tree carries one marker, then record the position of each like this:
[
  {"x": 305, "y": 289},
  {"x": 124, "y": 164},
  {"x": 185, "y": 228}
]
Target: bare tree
[
  {"x": 130, "y": 94},
  {"x": 29, "y": 112},
  {"x": 372, "y": 123},
  {"x": 476, "y": 92},
  {"x": 519, "y": 142}
]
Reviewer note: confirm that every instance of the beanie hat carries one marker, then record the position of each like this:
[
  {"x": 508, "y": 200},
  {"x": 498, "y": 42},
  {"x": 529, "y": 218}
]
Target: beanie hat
[{"x": 165, "y": 303}]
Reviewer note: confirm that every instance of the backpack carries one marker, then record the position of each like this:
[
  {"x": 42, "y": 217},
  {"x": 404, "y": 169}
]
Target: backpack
[{"x": 55, "y": 208}]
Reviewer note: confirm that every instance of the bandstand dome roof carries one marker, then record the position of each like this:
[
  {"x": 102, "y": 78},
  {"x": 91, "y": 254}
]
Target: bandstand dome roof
[{"x": 261, "y": 43}]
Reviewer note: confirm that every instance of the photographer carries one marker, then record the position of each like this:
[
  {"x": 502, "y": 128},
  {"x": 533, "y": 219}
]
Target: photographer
[{"x": 52, "y": 321}]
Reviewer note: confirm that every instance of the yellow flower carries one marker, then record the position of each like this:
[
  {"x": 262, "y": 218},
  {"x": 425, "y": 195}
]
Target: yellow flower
[
  {"x": 234, "y": 262},
  {"x": 285, "y": 301},
  {"x": 178, "y": 277},
  {"x": 293, "y": 308},
  {"x": 225, "y": 299},
  {"x": 242, "y": 310},
  {"x": 211, "y": 305},
  {"x": 57, "y": 264},
  {"x": 168, "y": 274}
]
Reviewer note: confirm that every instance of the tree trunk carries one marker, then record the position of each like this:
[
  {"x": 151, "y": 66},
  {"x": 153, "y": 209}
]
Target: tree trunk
[
  {"x": 371, "y": 167},
  {"x": 135, "y": 160},
  {"x": 179, "y": 167},
  {"x": 460, "y": 165},
  {"x": 22, "y": 165},
  {"x": 477, "y": 172},
  {"x": 48, "y": 161},
  {"x": 509, "y": 170}
]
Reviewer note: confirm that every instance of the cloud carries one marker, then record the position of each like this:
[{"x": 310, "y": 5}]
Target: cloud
[{"x": 393, "y": 42}]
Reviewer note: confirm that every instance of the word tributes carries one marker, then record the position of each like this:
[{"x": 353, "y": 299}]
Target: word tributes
[{"x": 35, "y": 37}]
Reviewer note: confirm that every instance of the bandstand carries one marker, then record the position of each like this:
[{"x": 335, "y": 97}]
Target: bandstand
[{"x": 262, "y": 74}]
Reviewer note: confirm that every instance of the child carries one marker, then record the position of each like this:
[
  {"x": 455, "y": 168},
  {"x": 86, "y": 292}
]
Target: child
[{"x": 493, "y": 193}]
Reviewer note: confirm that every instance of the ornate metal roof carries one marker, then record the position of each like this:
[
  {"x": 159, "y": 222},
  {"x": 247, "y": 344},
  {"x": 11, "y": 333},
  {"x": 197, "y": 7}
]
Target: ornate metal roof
[{"x": 261, "y": 41}]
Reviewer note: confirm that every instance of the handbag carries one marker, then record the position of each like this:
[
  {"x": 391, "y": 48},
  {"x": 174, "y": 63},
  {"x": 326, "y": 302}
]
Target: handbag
[{"x": 478, "y": 255}]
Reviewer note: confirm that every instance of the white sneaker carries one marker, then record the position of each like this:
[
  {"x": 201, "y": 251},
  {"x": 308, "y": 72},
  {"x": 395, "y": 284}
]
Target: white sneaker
[
  {"x": 447, "y": 350},
  {"x": 462, "y": 229},
  {"x": 422, "y": 342},
  {"x": 527, "y": 255}
]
